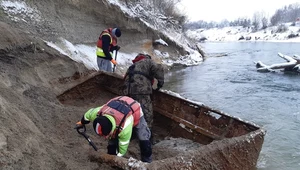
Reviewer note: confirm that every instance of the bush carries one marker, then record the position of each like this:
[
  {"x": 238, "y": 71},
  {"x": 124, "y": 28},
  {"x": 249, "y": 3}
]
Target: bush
[
  {"x": 293, "y": 35},
  {"x": 166, "y": 7},
  {"x": 281, "y": 28}
]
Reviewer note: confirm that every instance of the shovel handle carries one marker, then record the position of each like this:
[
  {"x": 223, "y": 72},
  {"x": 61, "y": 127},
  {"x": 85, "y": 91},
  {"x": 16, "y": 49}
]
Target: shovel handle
[
  {"x": 82, "y": 132},
  {"x": 116, "y": 53},
  {"x": 90, "y": 141}
]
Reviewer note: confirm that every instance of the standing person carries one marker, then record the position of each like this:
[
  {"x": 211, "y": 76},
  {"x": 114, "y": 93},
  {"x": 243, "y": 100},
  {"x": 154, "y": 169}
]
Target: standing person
[
  {"x": 115, "y": 121},
  {"x": 106, "y": 44},
  {"x": 139, "y": 79}
]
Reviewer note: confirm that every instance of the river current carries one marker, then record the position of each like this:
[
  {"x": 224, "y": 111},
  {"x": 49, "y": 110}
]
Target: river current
[{"x": 231, "y": 83}]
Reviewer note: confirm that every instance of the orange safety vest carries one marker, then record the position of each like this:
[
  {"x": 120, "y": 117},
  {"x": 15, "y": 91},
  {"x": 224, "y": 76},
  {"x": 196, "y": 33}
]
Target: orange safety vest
[
  {"x": 113, "y": 42},
  {"x": 120, "y": 108}
]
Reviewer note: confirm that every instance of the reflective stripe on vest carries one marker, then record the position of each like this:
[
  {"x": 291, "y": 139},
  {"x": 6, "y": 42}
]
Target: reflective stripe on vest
[
  {"x": 99, "y": 51},
  {"x": 120, "y": 106},
  {"x": 106, "y": 33}
]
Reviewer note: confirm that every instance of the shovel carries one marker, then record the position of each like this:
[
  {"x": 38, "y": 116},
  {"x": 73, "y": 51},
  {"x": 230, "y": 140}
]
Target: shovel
[
  {"x": 81, "y": 131},
  {"x": 116, "y": 53}
]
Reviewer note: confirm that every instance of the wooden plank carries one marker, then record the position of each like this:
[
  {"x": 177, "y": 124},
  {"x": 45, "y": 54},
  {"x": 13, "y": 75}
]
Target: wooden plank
[{"x": 189, "y": 124}]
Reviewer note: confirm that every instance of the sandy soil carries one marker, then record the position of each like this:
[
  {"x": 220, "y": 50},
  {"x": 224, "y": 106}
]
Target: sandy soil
[{"x": 37, "y": 130}]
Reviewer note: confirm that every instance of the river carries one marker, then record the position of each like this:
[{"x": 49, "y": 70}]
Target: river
[{"x": 232, "y": 84}]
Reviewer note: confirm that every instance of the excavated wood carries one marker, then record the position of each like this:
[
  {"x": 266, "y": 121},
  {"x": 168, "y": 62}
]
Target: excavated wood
[
  {"x": 232, "y": 153},
  {"x": 226, "y": 142},
  {"x": 190, "y": 125}
]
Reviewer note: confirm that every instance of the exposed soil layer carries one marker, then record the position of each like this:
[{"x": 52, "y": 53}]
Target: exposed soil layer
[
  {"x": 37, "y": 129},
  {"x": 37, "y": 123}
]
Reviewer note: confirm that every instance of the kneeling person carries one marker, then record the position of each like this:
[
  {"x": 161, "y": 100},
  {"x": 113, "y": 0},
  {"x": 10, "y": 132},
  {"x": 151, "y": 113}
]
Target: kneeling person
[{"x": 115, "y": 121}]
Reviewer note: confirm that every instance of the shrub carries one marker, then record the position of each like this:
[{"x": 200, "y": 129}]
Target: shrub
[
  {"x": 281, "y": 28},
  {"x": 293, "y": 35},
  {"x": 166, "y": 7}
]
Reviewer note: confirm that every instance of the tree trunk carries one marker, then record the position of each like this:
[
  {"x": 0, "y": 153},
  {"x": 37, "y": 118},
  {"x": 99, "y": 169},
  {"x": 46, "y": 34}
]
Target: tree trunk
[{"x": 291, "y": 64}]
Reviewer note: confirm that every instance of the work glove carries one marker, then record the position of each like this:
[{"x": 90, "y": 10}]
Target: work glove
[
  {"x": 79, "y": 126},
  {"x": 117, "y": 48},
  {"x": 114, "y": 61},
  {"x": 159, "y": 85},
  {"x": 112, "y": 149}
]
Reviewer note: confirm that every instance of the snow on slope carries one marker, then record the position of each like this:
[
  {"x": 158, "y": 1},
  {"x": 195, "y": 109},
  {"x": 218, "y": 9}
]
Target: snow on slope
[{"x": 235, "y": 33}]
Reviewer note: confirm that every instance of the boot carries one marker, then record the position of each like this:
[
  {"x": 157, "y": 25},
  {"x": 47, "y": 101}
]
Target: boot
[{"x": 146, "y": 151}]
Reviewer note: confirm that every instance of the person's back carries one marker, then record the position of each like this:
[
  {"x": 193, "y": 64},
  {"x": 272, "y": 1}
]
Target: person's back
[
  {"x": 138, "y": 82},
  {"x": 107, "y": 43},
  {"x": 115, "y": 121},
  {"x": 140, "y": 76}
]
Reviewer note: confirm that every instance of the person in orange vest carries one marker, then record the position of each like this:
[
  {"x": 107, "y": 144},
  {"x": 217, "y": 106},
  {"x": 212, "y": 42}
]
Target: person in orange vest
[
  {"x": 106, "y": 44},
  {"x": 117, "y": 120}
]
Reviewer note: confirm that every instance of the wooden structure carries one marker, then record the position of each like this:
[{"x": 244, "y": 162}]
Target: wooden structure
[{"x": 227, "y": 142}]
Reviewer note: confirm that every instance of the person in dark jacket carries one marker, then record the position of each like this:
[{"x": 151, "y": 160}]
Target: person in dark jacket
[
  {"x": 106, "y": 44},
  {"x": 139, "y": 79}
]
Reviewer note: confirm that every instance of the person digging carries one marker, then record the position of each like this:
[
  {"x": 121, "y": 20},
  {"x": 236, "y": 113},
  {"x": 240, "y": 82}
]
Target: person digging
[{"x": 116, "y": 120}]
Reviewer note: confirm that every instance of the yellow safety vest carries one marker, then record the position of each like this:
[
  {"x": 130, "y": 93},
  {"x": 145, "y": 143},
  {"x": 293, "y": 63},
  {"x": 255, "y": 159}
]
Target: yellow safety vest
[{"x": 99, "y": 51}]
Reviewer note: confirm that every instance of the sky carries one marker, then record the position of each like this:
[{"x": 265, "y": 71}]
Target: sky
[{"x": 217, "y": 10}]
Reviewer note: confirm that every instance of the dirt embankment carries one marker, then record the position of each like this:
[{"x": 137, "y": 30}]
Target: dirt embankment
[
  {"x": 81, "y": 22},
  {"x": 37, "y": 130},
  {"x": 35, "y": 127}
]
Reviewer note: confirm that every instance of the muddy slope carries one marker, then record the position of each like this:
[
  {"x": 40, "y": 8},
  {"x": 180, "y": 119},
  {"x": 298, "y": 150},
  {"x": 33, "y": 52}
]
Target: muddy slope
[
  {"x": 33, "y": 122},
  {"x": 82, "y": 22},
  {"x": 37, "y": 130}
]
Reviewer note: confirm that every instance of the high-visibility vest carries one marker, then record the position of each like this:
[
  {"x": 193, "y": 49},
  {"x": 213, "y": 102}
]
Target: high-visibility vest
[
  {"x": 122, "y": 107},
  {"x": 113, "y": 42}
]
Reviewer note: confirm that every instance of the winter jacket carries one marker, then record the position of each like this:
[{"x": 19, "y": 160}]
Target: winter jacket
[
  {"x": 140, "y": 75},
  {"x": 131, "y": 119}
]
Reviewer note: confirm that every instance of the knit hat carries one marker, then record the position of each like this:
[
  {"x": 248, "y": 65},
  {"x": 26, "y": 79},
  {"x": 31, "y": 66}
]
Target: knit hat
[
  {"x": 116, "y": 32},
  {"x": 102, "y": 125}
]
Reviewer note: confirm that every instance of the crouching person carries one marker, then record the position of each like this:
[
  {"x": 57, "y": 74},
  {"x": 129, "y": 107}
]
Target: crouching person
[{"x": 116, "y": 120}]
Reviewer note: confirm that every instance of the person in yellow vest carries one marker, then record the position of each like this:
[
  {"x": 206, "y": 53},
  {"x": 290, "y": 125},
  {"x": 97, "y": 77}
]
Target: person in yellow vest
[
  {"x": 117, "y": 120},
  {"x": 106, "y": 44}
]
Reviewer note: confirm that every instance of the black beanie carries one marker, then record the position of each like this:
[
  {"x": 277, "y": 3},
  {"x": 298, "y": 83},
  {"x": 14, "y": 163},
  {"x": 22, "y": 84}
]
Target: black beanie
[
  {"x": 105, "y": 124},
  {"x": 116, "y": 32}
]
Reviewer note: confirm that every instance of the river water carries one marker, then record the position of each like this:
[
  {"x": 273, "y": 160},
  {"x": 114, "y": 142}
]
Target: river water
[{"x": 232, "y": 84}]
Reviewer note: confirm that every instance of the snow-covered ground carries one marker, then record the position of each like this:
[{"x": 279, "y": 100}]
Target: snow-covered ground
[
  {"x": 86, "y": 54},
  {"x": 236, "y": 33}
]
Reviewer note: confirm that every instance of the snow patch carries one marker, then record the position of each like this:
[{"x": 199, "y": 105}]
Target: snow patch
[
  {"x": 136, "y": 164},
  {"x": 19, "y": 11},
  {"x": 238, "y": 33},
  {"x": 162, "y": 42}
]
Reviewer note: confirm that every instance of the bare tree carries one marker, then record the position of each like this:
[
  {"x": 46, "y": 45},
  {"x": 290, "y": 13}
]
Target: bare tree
[
  {"x": 264, "y": 20},
  {"x": 256, "y": 21},
  {"x": 286, "y": 14},
  {"x": 275, "y": 19}
]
